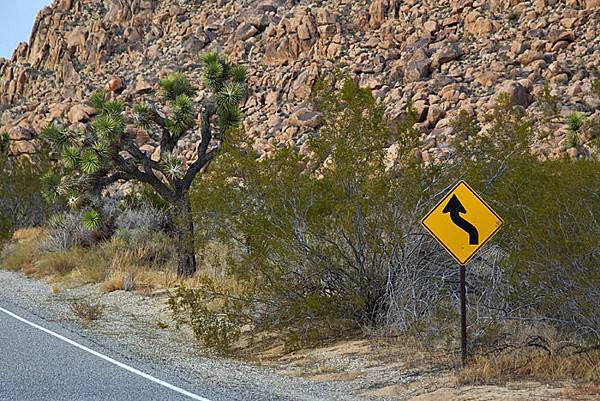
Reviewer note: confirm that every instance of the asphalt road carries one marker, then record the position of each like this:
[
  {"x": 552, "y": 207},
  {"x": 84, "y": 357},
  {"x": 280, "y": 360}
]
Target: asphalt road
[{"x": 37, "y": 365}]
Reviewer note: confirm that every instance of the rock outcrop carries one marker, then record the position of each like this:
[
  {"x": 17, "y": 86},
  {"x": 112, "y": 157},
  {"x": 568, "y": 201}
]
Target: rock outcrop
[{"x": 443, "y": 55}]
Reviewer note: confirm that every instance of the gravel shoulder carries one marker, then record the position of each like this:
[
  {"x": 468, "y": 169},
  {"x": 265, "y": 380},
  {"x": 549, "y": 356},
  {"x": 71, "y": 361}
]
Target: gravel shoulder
[
  {"x": 129, "y": 327},
  {"x": 139, "y": 328}
]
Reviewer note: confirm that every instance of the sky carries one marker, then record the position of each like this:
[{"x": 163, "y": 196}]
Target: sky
[{"x": 16, "y": 20}]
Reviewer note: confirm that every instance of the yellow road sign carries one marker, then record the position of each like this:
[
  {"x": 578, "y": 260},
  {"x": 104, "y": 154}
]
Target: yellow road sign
[{"x": 462, "y": 222}]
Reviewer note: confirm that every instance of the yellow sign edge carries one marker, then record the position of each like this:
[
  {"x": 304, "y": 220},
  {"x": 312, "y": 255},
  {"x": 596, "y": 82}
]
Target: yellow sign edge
[{"x": 442, "y": 201}]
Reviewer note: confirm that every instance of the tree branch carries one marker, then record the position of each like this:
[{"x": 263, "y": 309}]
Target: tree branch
[
  {"x": 146, "y": 176},
  {"x": 204, "y": 156}
]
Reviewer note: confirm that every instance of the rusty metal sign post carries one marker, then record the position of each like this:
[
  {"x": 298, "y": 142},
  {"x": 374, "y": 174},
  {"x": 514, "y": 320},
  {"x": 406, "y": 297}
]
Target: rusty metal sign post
[{"x": 462, "y": 223}]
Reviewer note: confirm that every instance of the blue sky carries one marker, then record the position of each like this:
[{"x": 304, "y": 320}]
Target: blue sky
[{"x": 16, "y": 20}]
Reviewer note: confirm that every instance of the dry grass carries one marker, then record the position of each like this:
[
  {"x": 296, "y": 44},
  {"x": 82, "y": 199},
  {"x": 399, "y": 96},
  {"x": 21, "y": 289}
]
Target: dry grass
[
  {"x": 115, "y": 264},
  {"x": 531, "y": 364},
  {"x": 114, "y": 282},
  {"x": 28, "y": 234},
  {"x": 20, "y": 256},
  {"x": 59, "y": 263}
]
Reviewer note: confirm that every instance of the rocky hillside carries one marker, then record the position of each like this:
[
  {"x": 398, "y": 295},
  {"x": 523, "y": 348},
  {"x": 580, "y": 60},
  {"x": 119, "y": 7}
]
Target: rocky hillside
[{"x": 445, "y": 55}]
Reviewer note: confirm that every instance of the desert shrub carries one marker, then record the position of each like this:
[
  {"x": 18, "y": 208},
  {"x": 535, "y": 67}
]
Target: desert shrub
[
  {"x": 200, "y": 309},
  {"x": 21, "y": 203},
  {"x": 550, "y": 243},
  {"x": 66, "y": 231},
  {"x": 553, "y": 241},
  {"x": 144, "y": 218},
  {"x": 323, "y": 238},
  {"x": 534, "y": 357},
  {"x": 144, "y": 245},
  {"x": 86, "y": 310},
  {"x": 330, "y": 241},
  {"x": 143, "y": 196},
  {"x": 20, "y": 255}
]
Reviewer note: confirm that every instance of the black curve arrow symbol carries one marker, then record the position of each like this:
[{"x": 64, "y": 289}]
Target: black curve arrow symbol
[{"x": 455, "y": 208}]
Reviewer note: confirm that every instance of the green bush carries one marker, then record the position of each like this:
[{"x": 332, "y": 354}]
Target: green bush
[
  {"x": 551, "y": 237},
  {"x": 21, "y": 204},
  {"x": 330, "y": 241},
  {"x": 212, "y": 327},
  {"x": 4, "y": 142},
  {"x": 318, "y": 235}
]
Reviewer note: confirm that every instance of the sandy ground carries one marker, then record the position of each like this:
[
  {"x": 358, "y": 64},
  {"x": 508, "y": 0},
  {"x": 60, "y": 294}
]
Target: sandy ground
[{"x": 359, "y": 369}]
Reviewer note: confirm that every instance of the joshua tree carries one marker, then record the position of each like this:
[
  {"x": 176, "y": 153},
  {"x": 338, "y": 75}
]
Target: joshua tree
[{"x": 107, "y": 153}]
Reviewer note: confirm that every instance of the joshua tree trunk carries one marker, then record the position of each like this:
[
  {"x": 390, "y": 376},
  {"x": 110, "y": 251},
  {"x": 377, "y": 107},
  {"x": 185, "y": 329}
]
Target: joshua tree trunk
[{"x": 184, "y": 228}]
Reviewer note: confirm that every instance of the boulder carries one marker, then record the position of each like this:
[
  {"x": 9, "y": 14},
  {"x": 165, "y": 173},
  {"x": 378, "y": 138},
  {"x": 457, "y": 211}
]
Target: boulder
[
  {"x": 80, "y": 113},
  {"x": 445, "y": 54},
  {"x": 558, "y": 36},
  {"x": 304, "y": 117},
  {"x": 115, "y": 85},
  {"x": 430, "y": 26},
  {"x": 142, "y": 86},
  {"x": 22, "y": 147},
  {"x": 324, "y": 16},
  {"x": 517, "y": 93},
  {"x": 530, "y": 56},
  {"x": 416, "y": 70},
  {"x": 478, "y": 25},
  {"x": 20, "y": 133},
  {"x": 592, "y": 4},
  {"x": 435, "y": 114},
  {"x": 245, "y": 31},
  {"x": 194, "y": 43}
]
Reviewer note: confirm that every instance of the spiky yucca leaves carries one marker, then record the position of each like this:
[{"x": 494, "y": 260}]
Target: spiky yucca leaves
[
  {"x": 108, "y": 127},
  {"x": 575, "y": 120},
  {"x": 174, "y": 85},
  {"x": 90, "y": 161},
  {"x": 56, "y": 220},
  {"x": 50, "y": 182},
  {"x": 230, "y": 96},
  {"x": 91, "y": 219},
  {"x": 215, "y": 69},
  {"x": 83, "y": 155},
  {"x": 99, "y": 99},
  {"x": 183, "y": 115},
  {"x": 70, "y": 157},
  {"x": 173, "y": 167},
  {"x": 109, "y": 152},
  {"x": 238, "y": 74},
  {"x": 74, "y": 200},
  {"x": 143, "y": 115},
  {"x": 57, "y": 137},
  {"x": 227, "y": 83}
]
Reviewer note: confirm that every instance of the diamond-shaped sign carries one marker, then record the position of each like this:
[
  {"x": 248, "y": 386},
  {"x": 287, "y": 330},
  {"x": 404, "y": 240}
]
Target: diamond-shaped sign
[{"x": 462, "y": 222}]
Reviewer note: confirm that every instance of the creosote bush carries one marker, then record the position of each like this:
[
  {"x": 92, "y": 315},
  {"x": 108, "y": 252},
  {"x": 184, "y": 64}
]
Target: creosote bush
[
  {"x": 319, "y": 237},
  {"x": 21, "y": 204},
  {"x": 330, "y": 241},
  {"x": 200, "y": 309}
]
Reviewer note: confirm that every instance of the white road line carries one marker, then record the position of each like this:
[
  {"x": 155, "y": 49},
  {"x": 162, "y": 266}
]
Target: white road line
[{"x": 108, "y": 359}]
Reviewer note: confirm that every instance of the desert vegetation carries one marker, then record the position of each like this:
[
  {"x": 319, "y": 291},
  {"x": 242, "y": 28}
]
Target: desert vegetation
[
  {"x": 91, "y": 161},
  {"x": 323, "y": 241}
]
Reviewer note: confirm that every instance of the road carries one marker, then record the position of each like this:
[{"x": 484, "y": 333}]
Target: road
[
  {"x": 46, "y": 354},
  {"x": 39, "y": 361}
]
